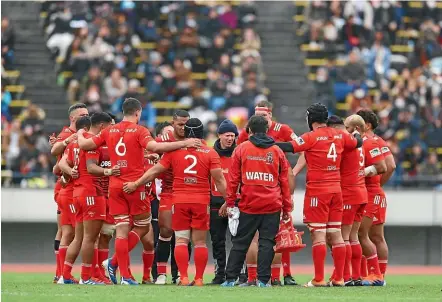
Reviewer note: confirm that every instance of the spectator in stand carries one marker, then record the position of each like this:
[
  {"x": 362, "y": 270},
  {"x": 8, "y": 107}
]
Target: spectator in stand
[
  {"x": 378, "y": 59},
  {"x": 324, "y": 89},
  {"x": 354, "y": 72},
  {"x": 183, "y": 76},
  {"x": 228, "y": 17},
  {"x": 430, "y": 166},
  {"x": 212, "y": 25},
  {"x": 6, "y": 100},
  {"x": 59, "y": 32},
  {"x": 115, "y": 86},
  {"x": 251, "y": 40},
  {"x": 362, "y": 12},
  {"x": 188, "y": 41},
  {"x": 214, "y": 53},
  {"x": 433, "y": 113},
  {"x": 416, "y": 158},
  {"x": 148, "y": 31},
  {"x": 351, "y": 34},
  {"x": 8, "y": 40}
]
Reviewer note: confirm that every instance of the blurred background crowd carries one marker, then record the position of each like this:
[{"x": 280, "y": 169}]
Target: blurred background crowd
[{"x": 204, "y": 56}]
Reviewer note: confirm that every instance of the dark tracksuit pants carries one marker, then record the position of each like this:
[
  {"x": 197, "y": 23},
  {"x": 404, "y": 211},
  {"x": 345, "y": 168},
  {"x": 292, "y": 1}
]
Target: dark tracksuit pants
[
  {"x": 267, "y": 225},
  {"x": 218, "y": 229}
]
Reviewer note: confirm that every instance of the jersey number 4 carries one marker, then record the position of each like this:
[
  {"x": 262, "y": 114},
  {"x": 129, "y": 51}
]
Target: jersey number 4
[
  {"x": 189, "y": 170},
  {"x": 332, "y": 152}
]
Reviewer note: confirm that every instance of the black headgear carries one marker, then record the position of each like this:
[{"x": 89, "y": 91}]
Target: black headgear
[
  {"x": 194, "y": 128},
  {"x": 316, "y": 113}
]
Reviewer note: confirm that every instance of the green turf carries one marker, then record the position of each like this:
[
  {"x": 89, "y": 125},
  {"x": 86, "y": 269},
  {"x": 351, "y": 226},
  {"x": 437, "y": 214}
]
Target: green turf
[{"x": 37, "y": 287}]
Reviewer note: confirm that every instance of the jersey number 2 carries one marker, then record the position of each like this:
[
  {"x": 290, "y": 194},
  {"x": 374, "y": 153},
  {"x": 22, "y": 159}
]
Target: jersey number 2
[
  {"x": 332, "y": 152},
  {"x": 189, "y": 170},
  {"x": 120, "y": 148}
]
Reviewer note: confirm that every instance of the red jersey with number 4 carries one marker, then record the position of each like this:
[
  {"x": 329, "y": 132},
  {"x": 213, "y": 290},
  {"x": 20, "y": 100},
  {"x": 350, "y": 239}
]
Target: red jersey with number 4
[
  {"x": 166, "y": 177},
  {"x": 373, "y": 155},
  {"x": 64, "y": 134},
  {"x": 86, "y": 185},
  {"x": 150, "y": 186},
  {"x": 279, "y": 132},
  {"x": 126, "y": 142},
  {"x": 72, "y": 152},
  {"x": 226, "y": 162},
  {"x": 323, "y": 149},
  {"x": 191, "y": 173}
]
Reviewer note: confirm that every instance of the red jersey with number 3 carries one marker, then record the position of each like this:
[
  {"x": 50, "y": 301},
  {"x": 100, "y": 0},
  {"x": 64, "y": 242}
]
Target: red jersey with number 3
[
  {"x": 323, "y": 149},
  {"x": 86, "y": 185},
  {"x": 279, "y": 132},
  {"x": 352, "y": 175},
  {"x": 166, "y": 177},
  {"x": 150, "y": 186},
  {"x": 64, "y": 134},
  {"x": 191, "y": 173},
  {"x": 373, "y": 155},
  {"x": 126, "y": 142}
]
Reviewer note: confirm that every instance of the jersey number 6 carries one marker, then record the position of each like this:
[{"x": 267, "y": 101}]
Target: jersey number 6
[
  {"x": 120, "y": 145},
  {"x": 189, "y": 170}
]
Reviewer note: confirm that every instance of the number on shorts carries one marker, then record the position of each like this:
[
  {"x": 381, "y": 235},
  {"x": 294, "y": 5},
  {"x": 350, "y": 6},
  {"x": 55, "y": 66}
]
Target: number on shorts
[
  {"x": 362, "y": 161},
  {"x": 189, "y": 170},
  {"x": 332, "y": 152},
  {"x": 120, "y": 145}
]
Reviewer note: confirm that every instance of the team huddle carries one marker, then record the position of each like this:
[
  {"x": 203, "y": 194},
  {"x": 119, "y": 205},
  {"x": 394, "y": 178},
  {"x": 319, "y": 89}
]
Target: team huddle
[{"x": 168, "y": 191}]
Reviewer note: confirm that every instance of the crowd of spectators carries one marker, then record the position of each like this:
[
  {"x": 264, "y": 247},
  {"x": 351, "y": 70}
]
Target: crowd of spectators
[
  {"x": 152, "y": 51},
  {"x": 387, "y": 56}
]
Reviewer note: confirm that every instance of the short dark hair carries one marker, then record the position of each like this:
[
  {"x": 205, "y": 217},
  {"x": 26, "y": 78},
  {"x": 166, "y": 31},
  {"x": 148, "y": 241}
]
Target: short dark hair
[
  {"x": 180, "y": 113},
  {"x": 112, "y": 116},
  {"x": 130, "y": 106},
  {"x": 83, "y": 122},
  {"x": 75, "y": 107},
  {"x": 194, "y": 128},
  {"x": 258, "y": 124},
  {"x": 334, "y": 120},
  {"x": 160, "y": 126},
  {"x": 100, "y": 117},
  {"x": 265, "y": 104},
  {"x": 369, "y": 117}
]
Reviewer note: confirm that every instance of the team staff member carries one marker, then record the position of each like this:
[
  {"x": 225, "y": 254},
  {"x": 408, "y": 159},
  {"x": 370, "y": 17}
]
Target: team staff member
[
  {"x": 280, "y": 133},
  {"x": 323, "y": 147},
  {"x": 66, "y": 136},
  {"x": 261, "y": 169},
  {"x": 224, "y": 146}
]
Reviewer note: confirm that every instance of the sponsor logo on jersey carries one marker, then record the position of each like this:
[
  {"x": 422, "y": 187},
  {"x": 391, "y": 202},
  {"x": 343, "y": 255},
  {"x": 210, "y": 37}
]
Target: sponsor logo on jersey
[
  {"x": 122, "y": 163},
  {"x": 375, "y": 152},
  {"x": 385, "y": 150},
  {"x": 293, "y": 136},
  {"x": 322, "y": 138},
  {"x": 299, "y": 141},
  {"x": 269, "y": 156},
  {"x": 259, "y": 176},
  {"x": 190, "y": 180}
]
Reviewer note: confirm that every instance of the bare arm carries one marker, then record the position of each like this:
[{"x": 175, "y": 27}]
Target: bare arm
[
  {"x": 56, "y": 170},
  {"x": 220, "y": 181},
  {"x": 64, "y": 165},
  {"x": 300, "y": 164},
  {"x": 156, "y": 147},
  {"x": 380, "y": 168},
  {"x": 86, "y": 143},
  {"x": 291, "y": 179},
  {"x": 391, "y": 166},
  {"x": 150, "y": 175}
]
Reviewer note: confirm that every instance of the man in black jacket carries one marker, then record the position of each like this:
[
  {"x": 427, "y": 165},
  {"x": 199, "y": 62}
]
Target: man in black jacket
[{"x": 224, "y": 146}]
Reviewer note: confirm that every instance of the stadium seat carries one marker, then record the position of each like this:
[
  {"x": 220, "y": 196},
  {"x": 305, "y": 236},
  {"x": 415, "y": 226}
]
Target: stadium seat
[{"x": 19, "y": 103}]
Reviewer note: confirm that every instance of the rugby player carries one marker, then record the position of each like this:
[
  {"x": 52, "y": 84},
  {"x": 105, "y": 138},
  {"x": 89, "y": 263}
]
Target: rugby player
[
  {"x": 354, "y": 196},
  {"x": 280, "y": 133},
  {"x": 163, "y": 248},
  {"x": 191, "y": 168},
  {"x": 126, "y": 142},
  {"x": 67, "y": 135},
  {"x": 323, "y": 147}
]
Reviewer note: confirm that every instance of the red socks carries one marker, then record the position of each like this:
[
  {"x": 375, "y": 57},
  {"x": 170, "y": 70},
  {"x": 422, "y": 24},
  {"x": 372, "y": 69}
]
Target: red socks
[
  {"x": 383, "y": 265},
  {"x": 339, "y": 255},
  {"x": 86, "y": 271},
  {"x": 356, "y": 259},
  {"x": 57, "y": 265},
  {"x": 319, "y": 252},
  {"x": 147, "y": 263},
  {"x": 286, "y": 264},
  {"x": 67, "y": 270},
  {"x": 373, "y": 265},
  {"x": 61, "y": 257},
  {"x": 251, "y": 272},
  {"x": 182, "y": 259},
  {"x": 364, "y": 271},
  {"x": 132, "y": 241},
  {"x": 201, "y": 255},
  {"x": 276, "y": 271},
  {"x": 122, "y": 255},
  {"x": 103, "y": 254},
  {"x": 347, "y": 266}
]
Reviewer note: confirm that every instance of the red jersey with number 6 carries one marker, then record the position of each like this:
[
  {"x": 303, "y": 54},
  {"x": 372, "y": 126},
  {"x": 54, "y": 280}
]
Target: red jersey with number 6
[
  {"x": 126, "y": 142},
  {"x": 323, "y": 153},
  {"x": 191, "y": 173}
]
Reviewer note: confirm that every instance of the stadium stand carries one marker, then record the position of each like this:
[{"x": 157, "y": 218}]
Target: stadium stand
[{"x": 386, "y": 56}]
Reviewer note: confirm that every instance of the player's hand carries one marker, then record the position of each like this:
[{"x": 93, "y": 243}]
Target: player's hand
[
  {"x": 193, "y": 143},
  {"x": 116, "y": 171},
  {"x": 223, "y": 210},
  {"x": 129, "y": 187},
  {"x": 74, "y": 173},
  {"x": 52, "y": 139},
  {"x": 81, "y": 131},
  {"x": 153, "y": 156},
  {"x": 285, "y": 216}
]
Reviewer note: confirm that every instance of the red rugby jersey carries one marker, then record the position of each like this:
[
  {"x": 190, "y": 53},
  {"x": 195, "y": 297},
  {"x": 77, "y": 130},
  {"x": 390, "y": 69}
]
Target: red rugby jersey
[{"x": 279, "y": 132}]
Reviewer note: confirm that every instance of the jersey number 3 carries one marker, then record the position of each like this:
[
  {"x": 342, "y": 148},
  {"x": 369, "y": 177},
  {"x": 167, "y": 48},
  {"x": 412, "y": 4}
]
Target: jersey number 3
[{"x": 189, "y": 170}]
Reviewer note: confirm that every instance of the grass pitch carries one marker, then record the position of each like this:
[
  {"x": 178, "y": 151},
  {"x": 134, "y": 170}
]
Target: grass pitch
[{"x": 37, "y": 287}]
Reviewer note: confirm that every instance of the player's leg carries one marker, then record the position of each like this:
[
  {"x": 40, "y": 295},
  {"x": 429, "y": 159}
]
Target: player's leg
[
  {"x": 315, "y": 217},
  {"x": 200, "y": 224},
  {"x": 218, "y": 228},
  {"x": 276, "y": 270},
  {"x": 248, "y": 225},
  {"x": 103, "y": 245},
  {"x": 268, "y": 228},
  {"x": 148, "y": 255},
  {"x": 356, "y": 249},
  {"x": 67, "y": 221},
  {"x": 58, "y": 269},
  {"x": 377, "y": 235},
  {"x": 163, "y": 247},
  {"x": 181, "y": 223},
  {"x": 252, "y": 261},
  {"x": 347, "y": 225}
]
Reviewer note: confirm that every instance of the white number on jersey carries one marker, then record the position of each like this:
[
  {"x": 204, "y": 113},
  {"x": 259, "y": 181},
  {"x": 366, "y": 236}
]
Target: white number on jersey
[
  {"x": 189, "y": 170},
  {"x": 361, "y": 153},
  {"x": 332, "y": 152},
  {"x": 120, "y": 148},
  {"x": 76, "y": 157}
]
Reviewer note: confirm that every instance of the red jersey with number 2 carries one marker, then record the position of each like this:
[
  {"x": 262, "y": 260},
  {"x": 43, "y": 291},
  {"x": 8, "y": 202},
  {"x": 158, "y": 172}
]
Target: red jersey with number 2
[
  {"x": 126, "y": 142},
  {"x": 191, "y": 173},
  {"x": 323, "y": 149}
]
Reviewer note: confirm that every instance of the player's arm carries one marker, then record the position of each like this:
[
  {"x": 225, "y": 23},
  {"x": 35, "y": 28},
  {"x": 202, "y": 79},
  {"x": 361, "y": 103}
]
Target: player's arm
[
  {"x": 56, "y": 170},
  {"x": 220, "y": 181},
  {"x": 92, "y": 158},
  {"x": 300, "y": 164},
  {"x": 157, "y": 147},
  {"x": 390, "y": 166},
  {"x": 89, "y": 143},
  {"x": 234, "y": 178},
  {"x": 285, "y": 188},
  {"x": 291, "y": 180},
  {"x": 59, "y": 146},
  {"x": 148, "y": 176},
  {"x": 65, "y": 166},
  {"x": 299, "y": 144},
  {"x": 379, "y": 166}
]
